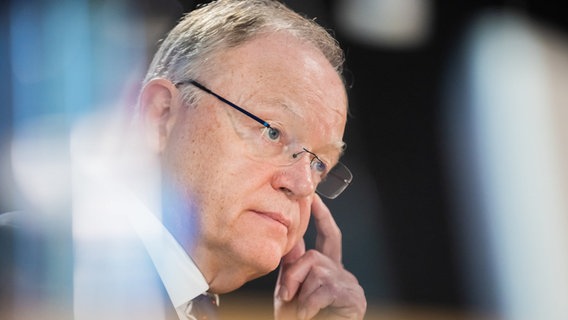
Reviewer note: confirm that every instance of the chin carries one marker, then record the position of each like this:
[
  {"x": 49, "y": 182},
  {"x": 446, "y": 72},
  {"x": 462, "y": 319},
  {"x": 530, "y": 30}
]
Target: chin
[
  {"x": 263, "y": 261},
  {"x": 251, "y": 267},
  {"x": 267, "y": 263}
]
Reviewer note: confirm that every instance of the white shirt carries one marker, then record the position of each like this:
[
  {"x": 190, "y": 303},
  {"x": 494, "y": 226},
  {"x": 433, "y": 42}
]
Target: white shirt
[
  {"x": 181, "y": 277},
  {"x": 110, "y": 179}
]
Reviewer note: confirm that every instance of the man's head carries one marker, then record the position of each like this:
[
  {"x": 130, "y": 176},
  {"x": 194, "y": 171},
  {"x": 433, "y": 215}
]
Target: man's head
[
  {"x": 243, "y": 190},
  {"x": 224, "y": 24}
]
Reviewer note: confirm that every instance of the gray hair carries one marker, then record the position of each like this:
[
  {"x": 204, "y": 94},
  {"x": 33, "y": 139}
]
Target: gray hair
[{"x": 223, "y": 24}]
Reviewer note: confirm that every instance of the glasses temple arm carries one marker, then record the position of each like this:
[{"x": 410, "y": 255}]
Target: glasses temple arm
[{"x": 204, "y": 88}]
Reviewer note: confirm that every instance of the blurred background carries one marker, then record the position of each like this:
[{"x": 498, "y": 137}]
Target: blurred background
[{"x": 457, "y": 137}]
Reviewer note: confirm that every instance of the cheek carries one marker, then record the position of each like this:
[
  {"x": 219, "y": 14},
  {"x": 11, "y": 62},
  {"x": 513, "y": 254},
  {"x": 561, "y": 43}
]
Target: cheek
[
  {"x": 206, "y": 163},
  {"x": 305, "y": 213},
  {"x": 198, "y": 177},
  {"x": 189, "y": 159},
  {"x": 304, "y": 219},
  {"x": 193, "y": 143}
]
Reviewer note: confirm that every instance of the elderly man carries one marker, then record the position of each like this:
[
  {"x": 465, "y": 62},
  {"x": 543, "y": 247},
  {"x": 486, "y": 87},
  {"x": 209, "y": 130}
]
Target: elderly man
[
  {"x": 247, "y": 109},
  {"x": 244, "y": 108}
]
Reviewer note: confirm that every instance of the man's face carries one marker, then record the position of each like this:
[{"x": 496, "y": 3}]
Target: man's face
[{"x": 244, "y": 212}]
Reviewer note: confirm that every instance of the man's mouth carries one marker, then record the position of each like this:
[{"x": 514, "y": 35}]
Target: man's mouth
[{"x": 276, "y": 216}]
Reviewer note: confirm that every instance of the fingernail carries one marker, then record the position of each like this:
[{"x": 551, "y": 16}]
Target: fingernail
[{"x": 283, "y": 293}]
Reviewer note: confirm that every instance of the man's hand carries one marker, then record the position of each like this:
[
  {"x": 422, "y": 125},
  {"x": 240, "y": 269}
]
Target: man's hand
[{"x": 314, "y": 283}]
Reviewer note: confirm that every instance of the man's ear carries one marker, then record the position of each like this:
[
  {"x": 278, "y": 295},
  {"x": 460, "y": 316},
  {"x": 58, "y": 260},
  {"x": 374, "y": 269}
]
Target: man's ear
[{"x": 158, "y": 108}]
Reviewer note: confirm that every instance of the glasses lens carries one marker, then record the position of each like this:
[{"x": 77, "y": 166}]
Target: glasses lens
[{"x": 335, "y": 182}]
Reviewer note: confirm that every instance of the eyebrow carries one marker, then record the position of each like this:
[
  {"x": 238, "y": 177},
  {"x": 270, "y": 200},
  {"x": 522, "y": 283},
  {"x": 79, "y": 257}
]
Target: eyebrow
[
  {"x": 285, "y": 106},
  {"x": 339, "y": 146}
]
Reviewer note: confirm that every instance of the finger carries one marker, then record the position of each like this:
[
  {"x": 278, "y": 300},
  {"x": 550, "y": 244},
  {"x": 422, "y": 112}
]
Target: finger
[
  {"x": 318, "y": 300},
  {"x": 341, "y": 295},
  {"x": 320, "y": 274},
  {"x": 328, "y": 239},
  {"x": 294, "y": 276},
  {"x": 285, "y": 290}
]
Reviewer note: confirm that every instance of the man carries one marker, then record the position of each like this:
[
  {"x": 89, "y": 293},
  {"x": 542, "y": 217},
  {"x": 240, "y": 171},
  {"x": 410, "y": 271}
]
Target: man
[
  {"x": 244, "y": 107},
  {"x": 247, "y": 109}
]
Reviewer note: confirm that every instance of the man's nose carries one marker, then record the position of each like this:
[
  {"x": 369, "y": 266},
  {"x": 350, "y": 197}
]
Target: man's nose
[{"x": 297, "y": 179}]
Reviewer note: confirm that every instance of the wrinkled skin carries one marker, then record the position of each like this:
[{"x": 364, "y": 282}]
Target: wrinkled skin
[{"x": 238, "y": 217}]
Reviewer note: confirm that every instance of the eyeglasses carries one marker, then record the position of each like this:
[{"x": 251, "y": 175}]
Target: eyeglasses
[{"x": 271, "y": 141}]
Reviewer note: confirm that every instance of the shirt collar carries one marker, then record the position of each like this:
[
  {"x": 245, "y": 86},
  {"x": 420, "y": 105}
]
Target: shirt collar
[{"x": 181, "y": 277}]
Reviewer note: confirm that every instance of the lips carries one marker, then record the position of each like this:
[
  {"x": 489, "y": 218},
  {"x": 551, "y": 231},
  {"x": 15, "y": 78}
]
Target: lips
[{"x": 278, "y": 217}]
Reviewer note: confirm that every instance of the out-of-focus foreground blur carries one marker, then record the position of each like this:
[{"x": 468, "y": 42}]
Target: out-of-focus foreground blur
[{"x": 457, "y": 140}]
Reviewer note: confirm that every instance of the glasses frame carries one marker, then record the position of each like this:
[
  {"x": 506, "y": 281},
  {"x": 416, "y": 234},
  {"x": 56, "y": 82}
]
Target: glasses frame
[{"x": 346, "y": 181}]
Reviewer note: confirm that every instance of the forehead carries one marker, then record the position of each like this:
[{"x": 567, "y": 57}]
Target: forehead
[{"x": 291, "y": 77}]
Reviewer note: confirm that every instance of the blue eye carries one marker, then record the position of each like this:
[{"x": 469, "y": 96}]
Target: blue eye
[
  {"x": 272, "y": 134},
  {"x": 318, "y": 165}
]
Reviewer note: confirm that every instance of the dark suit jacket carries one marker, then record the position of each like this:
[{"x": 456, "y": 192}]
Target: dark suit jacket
[{"x": 46, "y": 273}]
